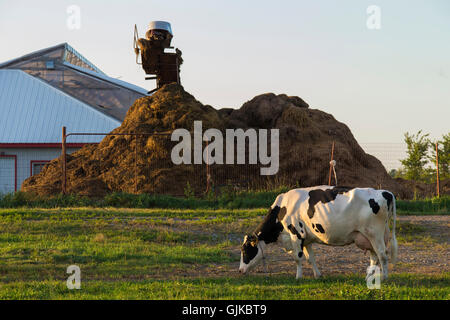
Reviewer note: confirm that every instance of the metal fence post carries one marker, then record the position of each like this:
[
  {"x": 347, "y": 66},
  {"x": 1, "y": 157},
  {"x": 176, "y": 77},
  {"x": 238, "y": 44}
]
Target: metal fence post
[
  {"x": 207, "y": 167},
  {"x": 437, "y": 170},
  {"x": 332, "y": 154},
  {"x": 64, "y": 169},
  {"x": 135, "y": 165}
]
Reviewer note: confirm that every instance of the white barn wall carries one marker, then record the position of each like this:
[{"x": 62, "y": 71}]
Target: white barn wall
[{"x": 26, "y": 155}]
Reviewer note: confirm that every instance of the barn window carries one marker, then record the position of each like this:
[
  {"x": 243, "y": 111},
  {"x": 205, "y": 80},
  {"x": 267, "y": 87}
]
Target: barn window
[
  {"x": 50, "y": 64},
  {"x": 36, "y": 166}
]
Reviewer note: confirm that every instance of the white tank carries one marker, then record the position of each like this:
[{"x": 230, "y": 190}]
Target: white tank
[{"x": 161, "y": 25}]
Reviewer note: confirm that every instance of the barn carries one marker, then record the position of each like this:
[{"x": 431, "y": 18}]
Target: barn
[{"x": 45, "y": 90}]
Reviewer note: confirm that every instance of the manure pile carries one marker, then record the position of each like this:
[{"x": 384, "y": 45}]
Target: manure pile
[{"x": 305, "y": 140}]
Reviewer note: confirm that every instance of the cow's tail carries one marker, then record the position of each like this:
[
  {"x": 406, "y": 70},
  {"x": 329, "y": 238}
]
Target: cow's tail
[{"x": 393, "y": 243}]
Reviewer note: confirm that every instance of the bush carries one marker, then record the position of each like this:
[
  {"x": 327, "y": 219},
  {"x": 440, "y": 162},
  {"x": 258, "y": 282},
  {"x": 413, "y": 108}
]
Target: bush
[
  {"x": 227, "y": 199},
  {"x": 24, "y": 199},
  {"x": 432, "y": 206}
]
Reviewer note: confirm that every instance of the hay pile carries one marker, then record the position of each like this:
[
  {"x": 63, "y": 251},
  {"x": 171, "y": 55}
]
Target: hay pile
[{"x": 305, "y": 142}]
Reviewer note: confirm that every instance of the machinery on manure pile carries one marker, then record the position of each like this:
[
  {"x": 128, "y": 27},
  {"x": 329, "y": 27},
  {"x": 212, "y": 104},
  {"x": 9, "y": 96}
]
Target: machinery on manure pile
[{"x": 162, "y": 65}]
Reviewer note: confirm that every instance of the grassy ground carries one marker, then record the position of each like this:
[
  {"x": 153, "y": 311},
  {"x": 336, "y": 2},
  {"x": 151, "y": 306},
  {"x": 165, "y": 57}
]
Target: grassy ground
[
  {"x": 401, "y": 286},
  {"x": 172, "y": 254}
]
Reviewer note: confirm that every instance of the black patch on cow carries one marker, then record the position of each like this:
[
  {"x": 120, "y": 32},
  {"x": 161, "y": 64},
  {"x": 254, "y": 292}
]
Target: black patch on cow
[
  {"x": 319, "y": 228},
  {"x": 269, "y": 229},
  {"x": 323, "y": 196},
  {"x": 294, "y": 231},
  {"x": 374, "y": 205},
  {"x": 282, "y": 213},
  {"x": 300, "y": 253},
  {"x": 301, "y": 225},
  {"x": 248, "y": 250},
  {"x": 389, "y": 197}
]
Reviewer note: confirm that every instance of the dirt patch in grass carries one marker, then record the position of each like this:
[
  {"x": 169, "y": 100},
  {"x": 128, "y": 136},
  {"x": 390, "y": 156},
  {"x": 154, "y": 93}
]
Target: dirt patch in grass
[
  {"x": 416, "y": 257},
  {"x": 155, "y": 245}
]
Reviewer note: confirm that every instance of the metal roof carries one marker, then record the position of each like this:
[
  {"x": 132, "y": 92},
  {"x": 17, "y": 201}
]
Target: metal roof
[
  {"x": 78, "y": 56},
  {"x": 65, "y": 69},
  {"x": 32, "y": 111},
  {"x": 68, "y": 54},
  {"x": 104, "y": 77}
]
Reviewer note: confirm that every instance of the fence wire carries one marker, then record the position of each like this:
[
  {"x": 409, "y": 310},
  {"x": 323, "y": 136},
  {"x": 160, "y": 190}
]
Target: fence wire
[{"x": 144, "y": 165}]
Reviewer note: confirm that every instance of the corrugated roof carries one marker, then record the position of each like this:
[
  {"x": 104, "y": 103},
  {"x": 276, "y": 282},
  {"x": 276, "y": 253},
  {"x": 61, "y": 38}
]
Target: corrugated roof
[
  {"x": 33, "y": 111},
  {"x": 72, "y": 73},
  {"x": 68, "y": 54},
  {"x": 78, "y": 57},
  {"x": 104, "y": 77}
]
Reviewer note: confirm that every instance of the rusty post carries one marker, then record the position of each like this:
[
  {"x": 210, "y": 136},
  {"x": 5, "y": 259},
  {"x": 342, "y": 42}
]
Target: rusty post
[
  {"x": 331, "y": 167},
  {"x": 64, "y": 169},
  {"x": 437, "y": 170},
  {"x": 207, "y": 167},
  {"x": 135, "y": 165}
]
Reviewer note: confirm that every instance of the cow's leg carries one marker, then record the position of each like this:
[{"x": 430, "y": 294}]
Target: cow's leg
[
  {"x": 373, "y": 262},
  {"x": 297, "y": 254},
  {"x": 296, "y": 233},
  {"x": 380, "y": 249},
  {"x": 373, "y": 258},
  {"x": 309, "y": 254}
]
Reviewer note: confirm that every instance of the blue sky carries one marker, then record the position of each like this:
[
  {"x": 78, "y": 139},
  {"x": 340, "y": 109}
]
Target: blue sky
[{"x": 381, "y": 83}]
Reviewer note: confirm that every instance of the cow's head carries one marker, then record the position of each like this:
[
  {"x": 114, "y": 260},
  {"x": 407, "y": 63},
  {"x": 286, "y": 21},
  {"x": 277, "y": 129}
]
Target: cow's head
[{"x": 251, "y": 253}]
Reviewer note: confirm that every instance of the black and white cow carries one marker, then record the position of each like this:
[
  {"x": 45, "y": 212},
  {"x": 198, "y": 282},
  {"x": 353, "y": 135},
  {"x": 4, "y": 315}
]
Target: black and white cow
[{"x": 335, "y": 216}]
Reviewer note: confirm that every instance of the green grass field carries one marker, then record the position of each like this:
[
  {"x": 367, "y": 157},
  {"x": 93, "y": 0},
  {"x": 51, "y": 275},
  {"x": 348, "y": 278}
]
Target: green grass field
[
  {"x": 165, "y": 254},
  {"x": 400, "y": 286}
]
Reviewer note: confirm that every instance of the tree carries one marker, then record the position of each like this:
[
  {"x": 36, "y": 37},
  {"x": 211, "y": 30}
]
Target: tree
[
  {"x": 397, "y": 173},
  {"x": 393, "y": 173},
  {"x": 417, "y": 155},
  {"x": 444, "y": 157}
]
